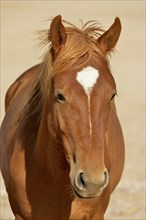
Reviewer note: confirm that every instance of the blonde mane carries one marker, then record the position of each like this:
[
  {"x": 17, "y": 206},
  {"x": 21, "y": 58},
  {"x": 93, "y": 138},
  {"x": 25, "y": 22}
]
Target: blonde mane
[{"x": 80, "y": 46}]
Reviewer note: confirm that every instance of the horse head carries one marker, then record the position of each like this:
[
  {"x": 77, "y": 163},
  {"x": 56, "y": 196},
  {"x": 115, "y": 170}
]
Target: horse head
[{"x": 82, "y": 98}]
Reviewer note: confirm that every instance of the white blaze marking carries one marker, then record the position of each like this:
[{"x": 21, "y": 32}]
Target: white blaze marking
[{"x": 87, "y": 78}]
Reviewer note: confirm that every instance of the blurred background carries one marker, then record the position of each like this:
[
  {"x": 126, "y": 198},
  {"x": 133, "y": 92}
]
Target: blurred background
[{"x": 20, "y": 20}]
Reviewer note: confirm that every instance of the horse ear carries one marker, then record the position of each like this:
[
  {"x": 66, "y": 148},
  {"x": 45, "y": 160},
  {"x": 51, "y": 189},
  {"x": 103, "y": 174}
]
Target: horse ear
[
  {"x": 108, "y": 40},
  {"x": 57, "y": 34}
]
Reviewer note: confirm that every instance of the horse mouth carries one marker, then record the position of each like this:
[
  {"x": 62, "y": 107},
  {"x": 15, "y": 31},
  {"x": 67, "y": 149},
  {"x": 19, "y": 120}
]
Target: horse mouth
[
  {"x": 85, "y": 194},
  {"x": 77, "y": 194}
]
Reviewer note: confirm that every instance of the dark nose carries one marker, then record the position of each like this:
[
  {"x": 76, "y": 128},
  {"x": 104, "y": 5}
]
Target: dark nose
[{"x": 90, "y": 185}]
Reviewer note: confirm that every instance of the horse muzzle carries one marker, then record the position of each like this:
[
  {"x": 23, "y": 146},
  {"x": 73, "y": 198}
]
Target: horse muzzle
[{"x": 86, "y": 186}]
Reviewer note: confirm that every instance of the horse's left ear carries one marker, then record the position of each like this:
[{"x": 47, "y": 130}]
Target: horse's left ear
[
  {"x": 57, "y": 34},
  {"x": 108, "y": 40}
]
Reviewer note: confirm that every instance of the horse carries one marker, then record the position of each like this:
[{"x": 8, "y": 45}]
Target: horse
[{"x": 62, "y": 147}]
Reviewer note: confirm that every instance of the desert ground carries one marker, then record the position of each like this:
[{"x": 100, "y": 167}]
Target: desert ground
[{"x": 20, "y": 20}]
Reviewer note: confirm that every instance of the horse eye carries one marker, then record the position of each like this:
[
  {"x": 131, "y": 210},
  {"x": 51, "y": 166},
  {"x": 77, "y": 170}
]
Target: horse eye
[
  {"x": 113, "y": 96},
  {"x": 60, "y": 98}
]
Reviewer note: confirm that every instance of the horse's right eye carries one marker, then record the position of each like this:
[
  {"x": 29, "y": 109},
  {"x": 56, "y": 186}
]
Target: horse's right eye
[
  {"x": 113, "y": 96},
  {"x": 60, "y": 98}
]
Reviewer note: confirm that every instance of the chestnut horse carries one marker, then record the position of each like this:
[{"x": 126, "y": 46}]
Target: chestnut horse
[{"x": 62, "y": 148}]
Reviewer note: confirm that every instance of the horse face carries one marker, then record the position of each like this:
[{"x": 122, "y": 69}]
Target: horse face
[
  {"x": 83, "y": 102},
  {"x": 81, "y": 113}
]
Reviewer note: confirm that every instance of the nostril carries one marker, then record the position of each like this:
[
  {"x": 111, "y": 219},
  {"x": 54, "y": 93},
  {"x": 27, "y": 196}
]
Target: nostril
[
  {"x": 81, "y": 182},
  {"x": 106, "y": 178},
  {"x": 82, "y": 179},
  {"x": 105, "y": 174}
]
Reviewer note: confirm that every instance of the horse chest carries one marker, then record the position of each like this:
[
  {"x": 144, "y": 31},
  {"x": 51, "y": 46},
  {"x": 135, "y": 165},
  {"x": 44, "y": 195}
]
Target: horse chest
[{"x": 83, "y": 209}]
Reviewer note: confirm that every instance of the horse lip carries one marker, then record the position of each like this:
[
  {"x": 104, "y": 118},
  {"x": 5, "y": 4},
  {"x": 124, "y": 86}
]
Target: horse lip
[{"x": 77, "y": 194}]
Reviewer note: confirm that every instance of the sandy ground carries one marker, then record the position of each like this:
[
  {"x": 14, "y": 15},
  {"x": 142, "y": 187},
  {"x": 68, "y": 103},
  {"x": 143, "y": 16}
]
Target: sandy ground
[{"x": 20, "y": 20}]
